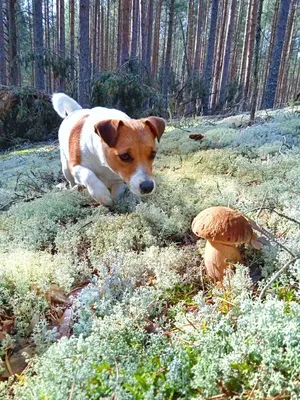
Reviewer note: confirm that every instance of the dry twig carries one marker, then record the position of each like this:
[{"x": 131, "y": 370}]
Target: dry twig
[{"x": 278, "y": 273}]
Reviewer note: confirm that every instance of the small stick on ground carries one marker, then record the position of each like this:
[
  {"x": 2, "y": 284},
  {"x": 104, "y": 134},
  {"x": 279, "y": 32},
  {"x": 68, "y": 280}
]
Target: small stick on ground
[{"x": 278, "y": 273}]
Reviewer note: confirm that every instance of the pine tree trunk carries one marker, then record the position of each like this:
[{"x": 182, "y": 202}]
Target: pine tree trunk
[
  {"x": 62, "y": 40},
  {"x": 156, "y": 38},
  {"x": 84, "y": 67},
  {"x": 205, "y": 36},
  {"x": 252, "y": 36},
  {"x": 270, "y": 89},
  {"x": 219, "y": 56},
  {"x": 190, "y": 37},
  {"x": 236, "y": 47},
  {"x": 284, "y": 65},
  {"x": 102, "y": 55},
  {"x": 271, "y": 47},
  {"x": 119, "y": 39},
  {"x": 113, "y": 63},
  {"x": 144, "y": 30},
  {"x": 256, "y": 61},
  {"x": 95, "y": 35},
  {"x": 135, "y": 27},
  {"x": 12, "y": 48},
  {"x": 149, "y": 35},
  {"x": 48, "y": 46},
  {"x": 197, "y": 52},
  {"x": 99, "y": 39},
  {"x": 107, "y": 31},
  {"x": 165, "y": 38},
  {"x": 72, "y": 35},
  {"x": 167, "y": 66},
  {"x": 245, "y": 44},
  {"x": 3, "y": 80},
  {"x": 39, "y": 78},
  {"x": 230, "y": 29},
  {"x": 210, "y": 54},
  {"x": 125, "y": 31}
]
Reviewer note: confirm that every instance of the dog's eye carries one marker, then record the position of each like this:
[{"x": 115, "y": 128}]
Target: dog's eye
[
  {"x": 152, "y": 155},
  {"x": 126, "y": 157}
]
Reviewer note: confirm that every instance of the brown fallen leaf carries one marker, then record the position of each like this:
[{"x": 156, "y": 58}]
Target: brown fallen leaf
[
  {"x": 55, "y": 295},
  {"x": 16, "y": 363},
  {"x": 196, "y": 136},
  {"x": 7, "y": 325}
]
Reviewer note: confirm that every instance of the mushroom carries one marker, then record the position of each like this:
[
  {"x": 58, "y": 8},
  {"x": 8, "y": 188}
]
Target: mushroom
[{"x": 224, "y": 229}]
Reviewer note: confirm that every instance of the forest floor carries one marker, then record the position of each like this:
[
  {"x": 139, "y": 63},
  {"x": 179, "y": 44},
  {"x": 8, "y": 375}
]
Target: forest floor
[{"x": 98, "y": 303}]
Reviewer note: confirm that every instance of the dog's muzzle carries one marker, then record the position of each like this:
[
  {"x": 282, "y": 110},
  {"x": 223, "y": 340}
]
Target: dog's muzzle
[
  {"x": 141, "y": 183},
  {"x": 146, "y": 187}
]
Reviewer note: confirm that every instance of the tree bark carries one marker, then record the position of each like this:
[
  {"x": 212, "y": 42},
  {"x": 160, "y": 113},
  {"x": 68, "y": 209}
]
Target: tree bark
[
  {"x": 256, "y": 61},
  {"x": 252, "y": 36},
  {"x": 72, "y": 35},
  {"x": 156, "y": 38},
  {"x": 143, "y": 18},
  {"x": 236, "y": 47},
  {"x": 197, "y": 52},
  {"x": 95, "y": 35},
  {"x": 39, "y": 77},
  {"x": 62, "y": 40},
  {"x": 245, "y": 44},
  {"x": 219, "y": 56},
  {"x": 210, "y": 54},
  {"x": 12, "y": 40},
  {"x": 149, "y": 35},
  {"x": 107, "y": 31},
  {"x": 102, "y": 54},
  {"x": 3, "y": 80},
  {"x": 119, "y": 38},
  {"x": 190, "y": 41},
  {"x": 84, "y": 53},
  {"x": 167, "y": 67},
  {"x": 270, "y": 89},
  {"x": 125, "y": 31},
  {"x": 285, "y": 59},
  {"x": 230, "y": 29},
  {"x": 48, "y": 46},
  {"x": 135, "y": 27}
]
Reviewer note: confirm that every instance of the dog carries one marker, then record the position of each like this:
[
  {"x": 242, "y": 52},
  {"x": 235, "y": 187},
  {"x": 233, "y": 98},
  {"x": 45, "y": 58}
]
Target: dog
[{"x": 101, "y": 148}]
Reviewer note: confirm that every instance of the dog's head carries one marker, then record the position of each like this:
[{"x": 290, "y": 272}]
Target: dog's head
[{"x": 129, "y": 149}]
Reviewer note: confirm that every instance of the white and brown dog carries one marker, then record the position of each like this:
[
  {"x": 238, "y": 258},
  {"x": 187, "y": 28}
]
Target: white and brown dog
[{"x": 102, "y": 148}]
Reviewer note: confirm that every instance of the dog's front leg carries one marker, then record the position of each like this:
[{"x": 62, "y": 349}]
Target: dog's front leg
[
  {"x": 96, "y": 188},
  {"x": 117, "y": 190}
]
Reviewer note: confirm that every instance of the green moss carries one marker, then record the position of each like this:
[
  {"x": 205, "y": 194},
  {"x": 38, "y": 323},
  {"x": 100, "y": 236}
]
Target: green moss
[{"x": 150, "y": 324}]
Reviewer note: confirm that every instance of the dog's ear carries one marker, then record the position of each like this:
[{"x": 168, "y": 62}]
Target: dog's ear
[
  {"x": 108, "y": 130},
  {"x": 157, "y": 126}
]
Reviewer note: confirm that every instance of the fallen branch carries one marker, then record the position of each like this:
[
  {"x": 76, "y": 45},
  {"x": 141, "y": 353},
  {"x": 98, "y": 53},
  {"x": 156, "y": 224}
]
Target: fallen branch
[
  {"x": 272, "y": 209},
  {"x": 278, "y": 273}
]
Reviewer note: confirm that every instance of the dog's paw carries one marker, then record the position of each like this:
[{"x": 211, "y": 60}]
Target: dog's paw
[{"x": 62, "y": 186}]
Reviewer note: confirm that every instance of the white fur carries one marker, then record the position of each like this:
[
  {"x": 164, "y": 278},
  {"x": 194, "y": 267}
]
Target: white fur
[
  {"x": 64, "y": 105},
  {"x": 137, "y": 178},
  {"x": 93, "y": 172}
]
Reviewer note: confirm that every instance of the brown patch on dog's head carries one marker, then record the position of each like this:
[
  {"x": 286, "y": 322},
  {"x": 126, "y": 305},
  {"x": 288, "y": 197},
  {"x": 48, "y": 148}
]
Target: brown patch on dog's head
[{"x": 129, "y": 147}]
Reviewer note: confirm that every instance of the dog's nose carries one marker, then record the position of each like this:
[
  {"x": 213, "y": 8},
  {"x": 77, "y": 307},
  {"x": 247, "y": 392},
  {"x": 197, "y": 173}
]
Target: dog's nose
[{"x": 146, "y": 187}]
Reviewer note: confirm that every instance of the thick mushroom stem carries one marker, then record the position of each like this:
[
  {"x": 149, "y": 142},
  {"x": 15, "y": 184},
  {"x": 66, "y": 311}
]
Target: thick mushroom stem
[{"x": 218, "y": 256}]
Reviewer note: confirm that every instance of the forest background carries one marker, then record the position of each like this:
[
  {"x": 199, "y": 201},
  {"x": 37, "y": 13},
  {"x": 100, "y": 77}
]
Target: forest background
[{"x": 167, "y": 57}]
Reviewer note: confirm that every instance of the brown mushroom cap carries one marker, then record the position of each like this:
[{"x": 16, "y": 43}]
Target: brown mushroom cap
[{"x": 222, "y": 224}]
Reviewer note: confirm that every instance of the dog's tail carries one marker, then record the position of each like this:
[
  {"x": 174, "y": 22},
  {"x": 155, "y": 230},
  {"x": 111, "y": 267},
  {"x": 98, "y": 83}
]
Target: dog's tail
[{"x": 64, "y": 105}]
